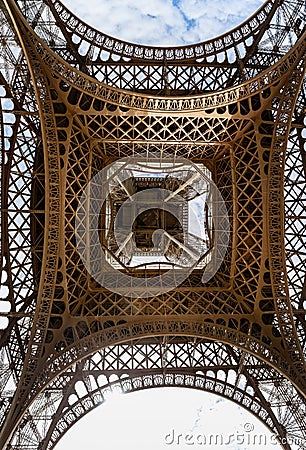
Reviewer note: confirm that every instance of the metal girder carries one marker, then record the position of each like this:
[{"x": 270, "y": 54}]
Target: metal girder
[{"x": 235, "y": 104}]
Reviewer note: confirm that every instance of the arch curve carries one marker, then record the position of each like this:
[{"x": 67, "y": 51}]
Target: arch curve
[
  {"x": 162, "y": 362},
  {"x": 264, "y": 323}
]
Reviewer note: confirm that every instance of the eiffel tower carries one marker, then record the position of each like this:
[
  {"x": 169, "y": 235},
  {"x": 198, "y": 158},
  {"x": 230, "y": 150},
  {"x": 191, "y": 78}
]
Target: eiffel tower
[{"x": 226, "y": 318}]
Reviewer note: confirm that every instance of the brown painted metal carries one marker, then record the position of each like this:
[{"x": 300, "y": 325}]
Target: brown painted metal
[{"x": 73, "y": 100}]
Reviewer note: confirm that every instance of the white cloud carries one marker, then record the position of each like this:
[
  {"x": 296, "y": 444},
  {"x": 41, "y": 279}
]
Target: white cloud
[
  {"x": 163, "y": 22},
  {"x": 150, "y": 22},
  {"x": 223, "y": 10}
]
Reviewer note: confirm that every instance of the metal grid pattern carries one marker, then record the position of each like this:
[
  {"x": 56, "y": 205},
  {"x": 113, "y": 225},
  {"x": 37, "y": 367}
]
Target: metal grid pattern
[{"x": 234, "y": 104}]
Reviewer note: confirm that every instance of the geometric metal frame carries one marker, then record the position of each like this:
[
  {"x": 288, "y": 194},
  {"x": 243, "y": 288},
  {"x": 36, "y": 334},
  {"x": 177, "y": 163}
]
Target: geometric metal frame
[{"x": 74, "y": 100}]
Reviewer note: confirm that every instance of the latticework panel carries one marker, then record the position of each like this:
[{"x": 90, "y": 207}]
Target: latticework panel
[
  {"x": 294, "y": 214},
  {"x": 219, "y": 105},
  {"x": 20, "y": 138},
  {"x": 160, "y": 363},
  {"x": 231, "y": 59}
]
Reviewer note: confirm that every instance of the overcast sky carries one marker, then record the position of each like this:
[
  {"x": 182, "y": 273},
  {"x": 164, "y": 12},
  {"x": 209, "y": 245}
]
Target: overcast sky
[
  {"x": 149, "y": 420},
  {"x": 168, "y": 418},
  {"x": 164, "y": 22}
]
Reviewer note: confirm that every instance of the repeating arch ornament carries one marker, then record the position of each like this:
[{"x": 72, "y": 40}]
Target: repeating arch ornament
[
  {"x": 240, "y": 121},
  {"x": 161, "y": 363}
]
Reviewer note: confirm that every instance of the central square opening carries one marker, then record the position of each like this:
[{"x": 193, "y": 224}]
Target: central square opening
[{"x": 156, "y": 214}]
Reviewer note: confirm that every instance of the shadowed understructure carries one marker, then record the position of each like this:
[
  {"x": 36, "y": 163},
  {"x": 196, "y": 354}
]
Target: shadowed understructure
[{"x": 74, "y": 101}]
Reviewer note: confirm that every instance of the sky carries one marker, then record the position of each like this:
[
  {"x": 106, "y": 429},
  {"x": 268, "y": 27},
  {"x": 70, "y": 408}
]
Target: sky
[
  {"x": 167, "y": 417},
  {"x": 163, "y": 22}
]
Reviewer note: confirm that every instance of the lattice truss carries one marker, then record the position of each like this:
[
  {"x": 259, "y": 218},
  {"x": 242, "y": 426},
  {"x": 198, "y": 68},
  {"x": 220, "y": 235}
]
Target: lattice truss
[{"x": 72, "y": 101}]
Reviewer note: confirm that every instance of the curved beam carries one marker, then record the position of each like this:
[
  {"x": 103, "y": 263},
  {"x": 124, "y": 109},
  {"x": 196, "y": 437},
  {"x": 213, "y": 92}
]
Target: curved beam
[
  {"x": 54, "y": 348},
  {"x": 245, "y": 380}
]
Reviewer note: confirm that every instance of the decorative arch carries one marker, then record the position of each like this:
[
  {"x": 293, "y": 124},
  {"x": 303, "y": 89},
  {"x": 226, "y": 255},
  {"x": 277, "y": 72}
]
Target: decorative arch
[
  {"x": 68, "y": 125},
  {"x": 160, "y": 362}
]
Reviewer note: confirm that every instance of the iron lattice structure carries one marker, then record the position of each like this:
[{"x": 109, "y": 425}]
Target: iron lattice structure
[{"x": 73, "y": 100}]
